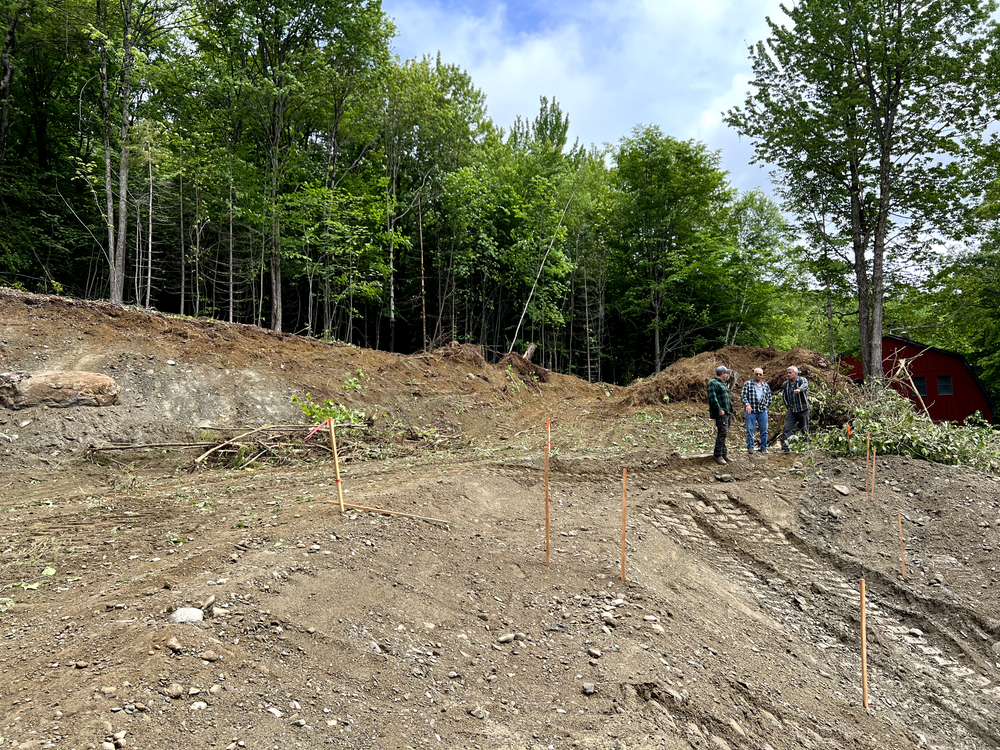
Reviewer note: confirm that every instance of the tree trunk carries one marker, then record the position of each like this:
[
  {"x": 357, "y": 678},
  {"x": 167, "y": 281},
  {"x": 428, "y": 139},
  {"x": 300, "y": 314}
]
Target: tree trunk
[{"x": 6, "y": 80}]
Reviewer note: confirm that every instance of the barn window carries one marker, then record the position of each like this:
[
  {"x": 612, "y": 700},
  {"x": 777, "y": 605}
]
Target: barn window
[
  {"x": 921, "y": 385},
  {"x": 944, "y": 385}
]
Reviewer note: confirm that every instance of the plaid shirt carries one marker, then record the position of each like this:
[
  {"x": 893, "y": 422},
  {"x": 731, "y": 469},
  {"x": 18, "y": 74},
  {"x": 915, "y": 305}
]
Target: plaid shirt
[
  {"x": 749, "y": 396},
  {"x": 718, "y": 398},
  {"x": 796, "y": 402}
]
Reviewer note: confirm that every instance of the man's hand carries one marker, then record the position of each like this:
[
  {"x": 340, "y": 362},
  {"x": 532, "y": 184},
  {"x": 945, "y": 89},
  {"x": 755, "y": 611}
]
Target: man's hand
[{"x": 748, "y": 408}]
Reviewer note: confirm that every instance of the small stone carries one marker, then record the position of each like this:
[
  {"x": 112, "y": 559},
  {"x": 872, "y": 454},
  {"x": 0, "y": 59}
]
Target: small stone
[
  {"x": 479, "y": 713},
  {"x": 215, "y": 689},
  {"x": 520, "y": 636},
  {"x": 107, "y": 746},
  {"x": 140, "y": 706},
  {"x": 186, "y": 615},
  {"x": 725, "y": 477},
  {"x": 657, "y": 628},
  {"x": 429, "y": 626},
  {"x": 609, "y": 619},
  {"x": 818, "y": 588},
  {"x": 453, "y": 675},
  {"x": 506, "y": 638},
  {"x": 207, "y": 604},
  {"x": 119, "y": 735},
  {"x": 299, "y": 723},
  {"x": 81, "y": 664},
  {"x": 175, "y": 691},
  {"x": 193, "y": 691},
  {"x": 199, "y": 706},
  {"x": 651, "y": 618},
  {"x": 594, "y": 652},
  {"x": 589, "y": 688},
  {"x": 834, "y": 511},
  {"x": 171, "y": 362},
  {"x": 109, "y": 692},
  {"x": 996, "y": 647},
  {"x": 274, "y": 712},
  {"x": 210, "y": 655},
  {"x": 842, "y": 489},
  {"x": 174, "y": 645}
]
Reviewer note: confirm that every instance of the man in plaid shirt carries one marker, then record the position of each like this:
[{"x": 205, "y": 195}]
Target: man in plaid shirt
[
  {"x": 795, "y": 391},
  {"x": 720, "y": 408},
  {"x": 756, "y": 395}
]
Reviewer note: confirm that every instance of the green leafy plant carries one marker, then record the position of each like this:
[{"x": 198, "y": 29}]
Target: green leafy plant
[
  {"x": 357, "y": 382},
  {"x": 318, "y": 413},
  {"x": 897, "y": 428}
]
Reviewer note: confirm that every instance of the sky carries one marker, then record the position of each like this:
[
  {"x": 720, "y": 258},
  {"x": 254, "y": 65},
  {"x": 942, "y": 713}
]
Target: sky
[{"x": 611, "y": 64}]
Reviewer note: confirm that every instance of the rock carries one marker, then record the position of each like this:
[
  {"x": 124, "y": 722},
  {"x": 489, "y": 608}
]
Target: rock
[
  {"x": 843, "y": 490},
  {"x": 996, "y": 647},
  {"x": 657, "y": 628},
  {"x": 174, "y": 645},
  {"x": 589, "y": 688},
  {"x": 834, "y": 511},
  {"x": 210, "y": 656},
  {"x": 119, "y": 735},
  {"x": 608, "y": 619},
  {"x": 594, "y": 652},
  {"x": 274, "y": 712},
  {"x": 737, "y": 728},
  {"x": 818, "y": 588},
  {"x": 186, "y": 615},
  {"x": 81, "y": 664},
  {"x": 479, "y": 713},
  {"x": 725, "y": 477},
  {"x": 207, "y": 604},
  {"x": 506, "y": 638},
  {"x": 175, "y": 691},
  {"x": 453, "y": 675},
  {"x": 720, "y": 743},
  {"x": 109, "y": 692},
  {"x": 215, "y": 689},
  {"x": 199, "y": 706},
  {"x": 107, "y": 746},
  {"x": 20, "y": 390}
]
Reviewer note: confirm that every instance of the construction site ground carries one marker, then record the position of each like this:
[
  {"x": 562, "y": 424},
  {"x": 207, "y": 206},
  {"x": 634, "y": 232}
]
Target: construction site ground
[{"x": 737, "y": 624}]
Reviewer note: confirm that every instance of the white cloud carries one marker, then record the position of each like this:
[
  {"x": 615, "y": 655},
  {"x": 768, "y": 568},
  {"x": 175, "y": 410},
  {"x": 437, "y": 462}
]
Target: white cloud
[{"x": 611, "y": 65}]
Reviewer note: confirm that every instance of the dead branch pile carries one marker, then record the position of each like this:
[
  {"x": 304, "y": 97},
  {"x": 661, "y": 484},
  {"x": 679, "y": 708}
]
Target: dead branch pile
[
  {"x": 687, "y": 379},
  {"x": 470, "y": 354},
  {"x": 526, "y": 371}
]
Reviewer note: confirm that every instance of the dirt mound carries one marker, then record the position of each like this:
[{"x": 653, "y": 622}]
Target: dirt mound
[
  {"x": 686, "y": 380},
  {"x": 470, "y": 354},
  {"x": 526, "y": 370}
]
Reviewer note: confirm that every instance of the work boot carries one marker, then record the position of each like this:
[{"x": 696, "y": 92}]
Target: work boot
[{"x": 721, "y": 460}]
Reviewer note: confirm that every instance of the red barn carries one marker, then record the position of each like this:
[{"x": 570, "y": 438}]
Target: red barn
[{"x": 948, "y": 386}]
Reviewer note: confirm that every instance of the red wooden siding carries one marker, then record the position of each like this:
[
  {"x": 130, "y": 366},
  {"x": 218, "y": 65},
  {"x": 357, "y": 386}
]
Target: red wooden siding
[{"x": 968, "y": 395}]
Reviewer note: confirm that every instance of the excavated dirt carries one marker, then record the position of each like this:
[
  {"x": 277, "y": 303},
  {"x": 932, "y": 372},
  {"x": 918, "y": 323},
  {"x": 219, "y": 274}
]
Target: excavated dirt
[
  {"x": 686, "y": 380},
  {"x": 737, "y": 624}
]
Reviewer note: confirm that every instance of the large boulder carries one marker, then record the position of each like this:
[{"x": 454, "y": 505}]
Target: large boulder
[{"x": 20, "y": 390}]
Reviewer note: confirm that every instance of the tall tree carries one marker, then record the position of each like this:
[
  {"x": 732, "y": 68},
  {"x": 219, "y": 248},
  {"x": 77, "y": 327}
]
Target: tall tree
[{"x": 864, "y": 106}]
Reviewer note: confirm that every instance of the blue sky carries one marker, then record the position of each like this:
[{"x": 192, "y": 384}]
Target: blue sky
[{"x": 611, "y": 65}]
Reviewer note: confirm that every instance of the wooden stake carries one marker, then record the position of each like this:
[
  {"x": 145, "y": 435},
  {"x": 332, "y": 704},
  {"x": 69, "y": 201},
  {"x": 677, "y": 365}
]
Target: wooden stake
[
  {"x": 336, "y": 464},
  {"x": 874, "y": 454},
  {"x": 902, "y": 548},
  {"x": 848, "y": 426},
  {"x": 864, "y": 651},
  {"x": 868, "y": 455},
  {"x": 548, "y": 444},
  {"x": 624, "y": 501}
]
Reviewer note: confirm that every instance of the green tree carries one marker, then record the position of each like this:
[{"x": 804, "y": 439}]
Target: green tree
[{"x": 864, "y": 108}]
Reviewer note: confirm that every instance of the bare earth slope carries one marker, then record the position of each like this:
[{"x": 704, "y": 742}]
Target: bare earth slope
[{"x": 737, "y": 625}]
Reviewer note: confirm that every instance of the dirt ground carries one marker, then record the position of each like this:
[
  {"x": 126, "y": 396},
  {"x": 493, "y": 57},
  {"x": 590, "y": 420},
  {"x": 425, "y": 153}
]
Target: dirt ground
[{"x": 737, "y": 624}]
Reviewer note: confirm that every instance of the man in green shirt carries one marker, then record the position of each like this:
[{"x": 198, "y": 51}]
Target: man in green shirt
[{"x": 720, "y": 408}]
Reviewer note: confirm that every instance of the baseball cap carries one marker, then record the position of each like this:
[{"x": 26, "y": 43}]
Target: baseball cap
[{"x": 721, "y": 369}]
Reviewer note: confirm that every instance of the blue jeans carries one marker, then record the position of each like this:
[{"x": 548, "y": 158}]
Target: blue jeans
[{"x": 758, "y": 418}]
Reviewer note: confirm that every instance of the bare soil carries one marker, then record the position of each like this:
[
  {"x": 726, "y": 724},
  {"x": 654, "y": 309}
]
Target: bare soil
[{"x": 737, "y": 624}]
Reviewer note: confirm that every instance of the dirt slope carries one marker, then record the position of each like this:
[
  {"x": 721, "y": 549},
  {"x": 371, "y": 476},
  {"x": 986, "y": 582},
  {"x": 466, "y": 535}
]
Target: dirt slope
[{"x": 737, "y": 625}]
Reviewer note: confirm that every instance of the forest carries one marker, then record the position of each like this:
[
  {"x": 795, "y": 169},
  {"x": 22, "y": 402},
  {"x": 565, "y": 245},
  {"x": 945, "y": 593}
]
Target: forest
[{"x": 276, "y": 164}]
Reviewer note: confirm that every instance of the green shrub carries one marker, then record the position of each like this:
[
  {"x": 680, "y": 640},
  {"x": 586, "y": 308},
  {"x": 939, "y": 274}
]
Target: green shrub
[
  {"x": 318, "y": 413},
  {"x": 898, "y": 429}
]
